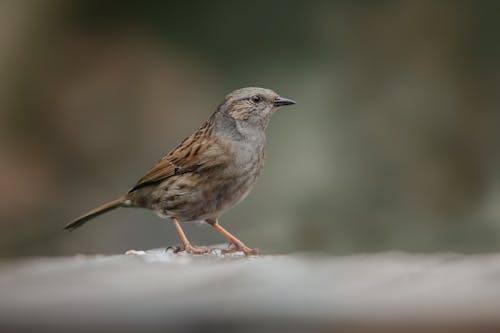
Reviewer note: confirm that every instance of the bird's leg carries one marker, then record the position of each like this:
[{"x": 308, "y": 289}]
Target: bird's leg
[
  {"x": 185, "y": 242},
  {"x": 237, "y": 244}
]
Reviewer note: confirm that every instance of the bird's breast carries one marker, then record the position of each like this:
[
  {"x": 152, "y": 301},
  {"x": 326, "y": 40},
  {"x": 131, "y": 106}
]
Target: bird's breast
[
  {"x": 240, "y": 175},
  {"x": 209, "y": 192}
]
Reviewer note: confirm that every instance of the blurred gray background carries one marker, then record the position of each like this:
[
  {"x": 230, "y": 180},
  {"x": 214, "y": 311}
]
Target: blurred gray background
[{"x": 393, "y": 145}]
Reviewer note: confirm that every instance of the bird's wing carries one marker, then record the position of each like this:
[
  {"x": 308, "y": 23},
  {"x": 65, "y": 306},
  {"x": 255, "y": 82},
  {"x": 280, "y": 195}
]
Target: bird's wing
[{"x": 195, "y": 153}]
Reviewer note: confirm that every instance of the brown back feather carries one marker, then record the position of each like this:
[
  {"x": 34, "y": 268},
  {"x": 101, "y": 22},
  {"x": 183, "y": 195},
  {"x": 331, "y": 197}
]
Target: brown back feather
[{"x": 197, "y": 151}]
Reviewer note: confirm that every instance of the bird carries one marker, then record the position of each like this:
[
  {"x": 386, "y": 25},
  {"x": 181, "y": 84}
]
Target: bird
[{"x": 209, "y": 172}]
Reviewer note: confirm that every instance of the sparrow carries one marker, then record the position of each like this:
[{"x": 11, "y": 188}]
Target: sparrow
[{"x": 209, "y": 172}]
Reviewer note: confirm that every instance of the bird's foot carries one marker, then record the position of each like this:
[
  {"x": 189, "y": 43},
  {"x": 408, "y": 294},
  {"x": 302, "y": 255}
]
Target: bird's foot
[
  {"x": 188, "y": 248},
  {"x": 242, "y": 248}
]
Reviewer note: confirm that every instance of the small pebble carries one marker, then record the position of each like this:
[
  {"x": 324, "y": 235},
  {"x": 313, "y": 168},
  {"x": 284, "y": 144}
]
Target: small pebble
[{"x": 135, "y": 252}]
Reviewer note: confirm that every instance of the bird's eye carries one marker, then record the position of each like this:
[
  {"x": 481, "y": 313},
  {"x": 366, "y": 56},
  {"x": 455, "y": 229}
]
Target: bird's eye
[{"x": 256, "y": 99}]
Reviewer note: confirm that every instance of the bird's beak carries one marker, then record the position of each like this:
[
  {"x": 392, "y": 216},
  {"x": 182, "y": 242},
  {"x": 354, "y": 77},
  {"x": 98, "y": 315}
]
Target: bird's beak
[{"x": 280, "y": 101}]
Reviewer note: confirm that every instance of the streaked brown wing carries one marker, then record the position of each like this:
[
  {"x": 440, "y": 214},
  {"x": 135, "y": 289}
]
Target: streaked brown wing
[{"x": 195, "y": 153}]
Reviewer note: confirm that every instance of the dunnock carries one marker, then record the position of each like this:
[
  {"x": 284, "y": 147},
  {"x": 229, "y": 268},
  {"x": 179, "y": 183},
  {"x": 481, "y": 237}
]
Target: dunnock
[{"x": 210, "y": 171}]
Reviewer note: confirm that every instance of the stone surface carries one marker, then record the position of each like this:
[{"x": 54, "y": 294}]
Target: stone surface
[{"x": 159, "y": 290}]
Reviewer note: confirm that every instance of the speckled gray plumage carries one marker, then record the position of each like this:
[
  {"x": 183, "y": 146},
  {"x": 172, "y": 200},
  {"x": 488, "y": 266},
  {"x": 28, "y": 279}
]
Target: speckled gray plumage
[{"x": 215, "y": 185}]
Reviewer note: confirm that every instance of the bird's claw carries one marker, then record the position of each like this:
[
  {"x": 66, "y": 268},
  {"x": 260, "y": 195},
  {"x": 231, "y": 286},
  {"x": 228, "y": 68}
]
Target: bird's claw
[{"x": 245, "y": 249}]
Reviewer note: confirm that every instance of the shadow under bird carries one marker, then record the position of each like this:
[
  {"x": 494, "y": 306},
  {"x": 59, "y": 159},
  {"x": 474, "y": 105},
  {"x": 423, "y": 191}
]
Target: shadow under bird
[{"x": 210, "y": 171}]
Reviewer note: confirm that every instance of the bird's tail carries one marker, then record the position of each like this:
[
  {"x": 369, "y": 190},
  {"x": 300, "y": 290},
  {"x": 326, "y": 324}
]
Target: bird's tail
[{"x": 78, "y": 222}]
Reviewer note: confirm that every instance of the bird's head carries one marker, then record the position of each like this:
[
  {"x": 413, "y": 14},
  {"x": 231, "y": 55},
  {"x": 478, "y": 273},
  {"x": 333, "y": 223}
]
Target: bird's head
[{"x": 253, "y": 105}]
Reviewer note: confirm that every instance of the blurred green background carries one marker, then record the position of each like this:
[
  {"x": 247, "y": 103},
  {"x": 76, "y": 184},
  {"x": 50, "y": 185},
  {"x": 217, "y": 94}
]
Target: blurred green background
[{"x": 393, "y": 145}]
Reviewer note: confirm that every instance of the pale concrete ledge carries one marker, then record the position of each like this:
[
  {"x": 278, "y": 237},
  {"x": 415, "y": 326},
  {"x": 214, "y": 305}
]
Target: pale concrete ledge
[{"x": 161, "y": 291}]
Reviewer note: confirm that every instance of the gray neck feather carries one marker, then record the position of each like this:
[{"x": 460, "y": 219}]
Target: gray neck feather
[{"x": 226, "y": 126}]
